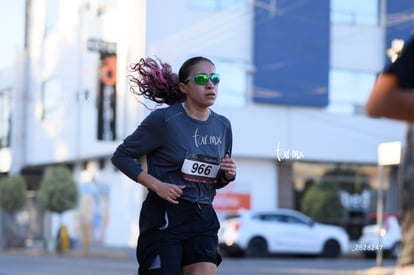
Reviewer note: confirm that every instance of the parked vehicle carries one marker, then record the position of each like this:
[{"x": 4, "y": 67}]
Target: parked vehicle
[
  {"x": 387, "y": 238},
  {"x": 280, "y": 231}
]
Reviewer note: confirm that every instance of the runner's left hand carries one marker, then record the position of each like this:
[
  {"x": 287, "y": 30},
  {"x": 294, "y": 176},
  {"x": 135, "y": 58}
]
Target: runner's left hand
[{"x": 228, "y": 166}]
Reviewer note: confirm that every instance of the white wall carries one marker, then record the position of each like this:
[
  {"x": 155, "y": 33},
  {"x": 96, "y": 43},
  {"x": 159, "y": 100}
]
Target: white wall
[
  {"x": 357, "y": 47},
  {"x": 125, "y": 204},
  {"x": 63, "y": 55},
  {"x": 321, "y": 136},
  {"x": 258, "y": 178}
]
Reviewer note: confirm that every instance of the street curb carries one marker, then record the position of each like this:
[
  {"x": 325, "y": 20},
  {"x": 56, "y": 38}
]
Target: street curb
[
  {"x": 79, "y": 254},
  {"x": 376, "y": 271}
]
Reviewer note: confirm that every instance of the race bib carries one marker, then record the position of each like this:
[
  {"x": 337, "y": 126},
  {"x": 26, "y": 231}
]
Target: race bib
[{"x": 200, "y": 169}]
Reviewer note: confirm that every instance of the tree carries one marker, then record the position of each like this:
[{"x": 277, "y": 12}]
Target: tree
[
  {"x": 12, "y": 193},
  {"x": 12, "y": 199},
  {"x": 322, "y": 203},
  {"x": 58, "y": 191}
]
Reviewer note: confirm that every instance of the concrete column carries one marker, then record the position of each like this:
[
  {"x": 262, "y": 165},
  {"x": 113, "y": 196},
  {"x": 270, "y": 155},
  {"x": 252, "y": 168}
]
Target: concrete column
[{"x": 285, "y": 185}]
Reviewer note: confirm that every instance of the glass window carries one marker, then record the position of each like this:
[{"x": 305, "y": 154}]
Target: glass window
[
  {"x": 355, "y": 12},
  {"x": 349, "y": 90},
  {"x": 233, "y": 84},
  {"x": 270, "y": 218},
  {"x": 351, "y": 178},
  {"x": 295, "y": 220},
  {"x": 357, "y": 182},
  {"x": 5, "y": 118},
  {"x": 51, "y": 98}
]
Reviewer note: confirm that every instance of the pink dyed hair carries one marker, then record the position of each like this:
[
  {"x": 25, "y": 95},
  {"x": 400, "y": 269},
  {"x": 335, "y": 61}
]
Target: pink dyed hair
[{"x": 155, "y": 81}]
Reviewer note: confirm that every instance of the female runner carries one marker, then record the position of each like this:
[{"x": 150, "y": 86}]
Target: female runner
[{"x": 188, "y": 151}]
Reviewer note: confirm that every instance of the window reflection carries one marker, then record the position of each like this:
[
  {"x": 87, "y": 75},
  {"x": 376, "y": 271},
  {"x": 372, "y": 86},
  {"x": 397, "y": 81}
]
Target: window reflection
[
  {"x": 5, "y": 118},
  {"x": 51, "y": 98},
  {"x": 355, "y": 12},
  {"x": 233, "y": 84},
  {"x": 349, "y": 91}
]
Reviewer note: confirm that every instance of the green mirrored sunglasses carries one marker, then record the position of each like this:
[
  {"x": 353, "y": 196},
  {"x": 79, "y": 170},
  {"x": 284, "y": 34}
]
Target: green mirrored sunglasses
[{"x": 202, "y": 78}]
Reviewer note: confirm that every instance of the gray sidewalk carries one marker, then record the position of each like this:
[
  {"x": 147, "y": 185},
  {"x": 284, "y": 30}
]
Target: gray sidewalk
[
  {"x": 375, "y": 270},
  {"x": 97, "y": 251}
]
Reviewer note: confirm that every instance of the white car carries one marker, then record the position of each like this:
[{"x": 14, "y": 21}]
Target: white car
[
  {"x": 388, "y": 238},
  {"x": 280, "y": 231}
]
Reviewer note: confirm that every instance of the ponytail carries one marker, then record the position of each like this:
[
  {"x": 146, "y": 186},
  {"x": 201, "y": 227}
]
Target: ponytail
[{"x": 155, "y": 81}]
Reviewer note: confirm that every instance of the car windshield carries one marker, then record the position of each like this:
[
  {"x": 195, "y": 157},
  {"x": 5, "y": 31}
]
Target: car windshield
[
  {"x": 273, "y": 217},
  {"x": 232, "y": 216}
]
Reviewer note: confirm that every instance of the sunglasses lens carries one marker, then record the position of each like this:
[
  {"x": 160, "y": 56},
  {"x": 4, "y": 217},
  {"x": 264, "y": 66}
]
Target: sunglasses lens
[
  {"x": 201, "y": 79},
  {"x": 215, "y": 78}
]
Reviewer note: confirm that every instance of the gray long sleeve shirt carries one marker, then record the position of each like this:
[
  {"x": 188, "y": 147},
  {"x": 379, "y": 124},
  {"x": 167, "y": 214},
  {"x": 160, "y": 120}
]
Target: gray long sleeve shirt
[{"x": 179, "y": 150}]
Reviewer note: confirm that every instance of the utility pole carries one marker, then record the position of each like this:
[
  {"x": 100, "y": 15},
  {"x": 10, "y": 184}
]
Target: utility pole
[{"x": 389, "y": 153}]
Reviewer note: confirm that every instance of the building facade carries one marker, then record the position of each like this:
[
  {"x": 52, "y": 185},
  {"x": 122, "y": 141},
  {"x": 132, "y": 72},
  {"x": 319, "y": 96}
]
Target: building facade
[{"x": 293, "y": 85}]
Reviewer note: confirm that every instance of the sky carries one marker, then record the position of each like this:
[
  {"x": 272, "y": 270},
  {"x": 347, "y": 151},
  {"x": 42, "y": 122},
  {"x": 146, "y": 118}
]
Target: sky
[{"x": 11, "y": 30}]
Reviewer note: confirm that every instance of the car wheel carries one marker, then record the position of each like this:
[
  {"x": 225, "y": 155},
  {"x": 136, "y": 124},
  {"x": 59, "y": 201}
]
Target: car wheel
[
  {"x": 369, "y": 255},
  {"x": 257, "y": 248},
  {"x": 331, "y": 249},
  {"x": 394, "y": 252}
]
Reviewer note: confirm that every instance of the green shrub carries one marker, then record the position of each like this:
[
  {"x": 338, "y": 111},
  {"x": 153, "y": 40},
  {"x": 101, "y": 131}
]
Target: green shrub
[
  {"x": 322, "y": 203},
  {"x": 12, "y": 193},
  {"x": 58, "y": 191}
]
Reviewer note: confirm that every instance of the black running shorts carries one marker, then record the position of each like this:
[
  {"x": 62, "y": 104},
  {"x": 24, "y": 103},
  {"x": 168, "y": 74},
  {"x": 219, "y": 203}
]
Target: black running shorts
[{"x": 188, "y": 235}]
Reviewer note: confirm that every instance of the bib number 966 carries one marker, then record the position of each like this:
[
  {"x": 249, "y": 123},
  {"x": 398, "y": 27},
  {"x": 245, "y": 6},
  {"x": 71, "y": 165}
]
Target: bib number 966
[{"x": 201, "y": 169}]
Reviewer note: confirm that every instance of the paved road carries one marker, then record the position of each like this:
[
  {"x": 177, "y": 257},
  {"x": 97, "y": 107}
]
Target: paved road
[{"x": 40, "y": 264}]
